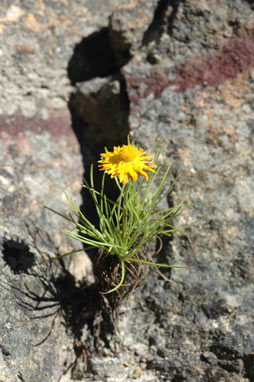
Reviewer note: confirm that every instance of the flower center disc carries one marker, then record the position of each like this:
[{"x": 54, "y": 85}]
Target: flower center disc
[{"x": 127, "y": 155}]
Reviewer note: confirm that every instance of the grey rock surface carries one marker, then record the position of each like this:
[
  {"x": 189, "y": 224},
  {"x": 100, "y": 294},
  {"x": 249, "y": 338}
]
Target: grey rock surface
[
  {"x": 76, "y": 76},
  {"x": 196, "y": 98},
  {"x": 127, "y": 27},
  {"x": 35, "y": 169}
]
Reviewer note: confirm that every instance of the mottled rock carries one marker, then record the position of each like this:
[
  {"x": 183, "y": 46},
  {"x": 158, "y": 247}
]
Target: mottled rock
[
  {"x": 37, "y": 41},
  {"x": 102, "y": 103},
  {"x": 38, "y": 159},
  {"x": 77, "y": 76},
  {"x": 197, "y": 100},
  {"x": 127, "y": 26}
]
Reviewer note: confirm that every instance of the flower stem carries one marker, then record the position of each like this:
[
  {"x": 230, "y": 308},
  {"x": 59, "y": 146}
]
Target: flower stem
[{"x": 124, "y": 209}]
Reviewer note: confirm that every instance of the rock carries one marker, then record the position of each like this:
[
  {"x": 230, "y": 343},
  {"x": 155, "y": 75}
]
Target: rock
[
  {"x": 197, "y": 102},
  {"x": 102, "y": 104},
  {"x": 77, "y": 77},
  {"x": 127, "y": 26},
  {"x": 35, "y": 168}
]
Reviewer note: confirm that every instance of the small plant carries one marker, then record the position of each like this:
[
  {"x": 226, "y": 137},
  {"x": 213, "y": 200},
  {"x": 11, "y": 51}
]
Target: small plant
[{"x": 129, "y": 223}]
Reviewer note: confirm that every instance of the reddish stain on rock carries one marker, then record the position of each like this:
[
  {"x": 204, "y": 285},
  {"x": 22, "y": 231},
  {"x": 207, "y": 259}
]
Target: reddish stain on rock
[
  {"x": 57, "y": 125},
  {"x": 235, "y": 57}
]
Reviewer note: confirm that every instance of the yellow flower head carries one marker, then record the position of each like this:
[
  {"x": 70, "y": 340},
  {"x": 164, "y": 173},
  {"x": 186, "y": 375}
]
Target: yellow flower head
[{"x": 127, "y": 162}]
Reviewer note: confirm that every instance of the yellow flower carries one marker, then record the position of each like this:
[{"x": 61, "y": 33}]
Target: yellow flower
[{"x": 127, "y": 162}]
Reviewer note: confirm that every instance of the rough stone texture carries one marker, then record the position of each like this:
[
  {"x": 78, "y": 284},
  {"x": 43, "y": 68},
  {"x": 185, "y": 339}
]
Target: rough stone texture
[
  {"x": 37, "y": 40},
  {"x": 101, "y": 102},
  {"x": 193, "y": 90},
  {"x": 127, "y": 26},
  {"x": 74, "y": 77},
  {"x": 38, "y": 159}
]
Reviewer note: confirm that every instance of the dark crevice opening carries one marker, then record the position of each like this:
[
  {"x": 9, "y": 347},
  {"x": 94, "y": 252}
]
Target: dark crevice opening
[
  {"x": 106, "y": 126},
  {"x": 99, "y": 115},
  {"x": 92, "y": 57},
  {"x": 99, "y": 108}
]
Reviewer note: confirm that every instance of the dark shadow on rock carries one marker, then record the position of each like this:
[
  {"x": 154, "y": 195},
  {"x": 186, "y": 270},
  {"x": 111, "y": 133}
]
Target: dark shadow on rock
[
  {"x": 55, "y": 292},
  {"x": 248, "y": 360},
  {"x": 155, "y": 29},
  {"x": 164, "y": 17},
  {"x": 17, "y": 255},
  {"x": 92, "y": 57},
  {"x": 99, "y": 109},
  {"x": 96, "y": 128}
]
